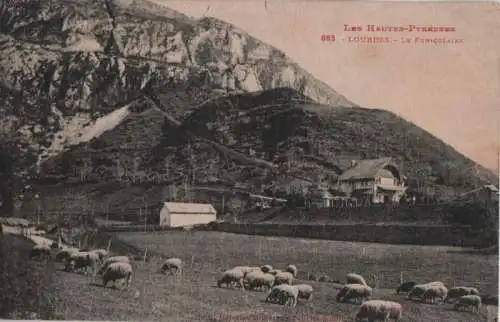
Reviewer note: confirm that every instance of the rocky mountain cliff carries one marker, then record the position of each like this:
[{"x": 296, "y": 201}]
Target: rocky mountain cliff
[{"x": 66, "y": 63}]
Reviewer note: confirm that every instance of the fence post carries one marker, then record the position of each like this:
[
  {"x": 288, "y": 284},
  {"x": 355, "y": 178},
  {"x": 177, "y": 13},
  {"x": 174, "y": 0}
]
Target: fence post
[
  {"x": 401, "y": 280},
  {"x": 109, "y": 245},
  {"x": 145, "y": 254}
]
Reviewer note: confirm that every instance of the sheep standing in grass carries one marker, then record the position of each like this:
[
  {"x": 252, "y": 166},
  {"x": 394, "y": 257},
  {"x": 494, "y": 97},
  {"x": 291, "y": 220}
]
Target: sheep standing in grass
[
  {"x": 434, "y": 293},
  {"x": 356, "y": 292},
  {"x": 232, "y": 276},
  {"x": 102, "y": 253},
  {"x": 284, "y": 278},
  {"x": 258, "y": 279},
  {"x": 171, "y": 265},
  {"x": 472, "y": 300},
  {"x": 83, "y": 261},
  {"x": 292, "y": 269},
  {"x": 113, "y": 259},
  {"x": 381, "y": 310},
  {"x": 117, "y": 271},
  {"x": 405, "y": 287},
  {"x": 417, "y": 291},
  {"x": 305, "y": 291},
  {"x": 353, "y": 278},
  {"x": 266, "y": 268},
  {"x": 283, "y": 294},
  {"x": 39, "y": 251},
  {"x": 456, "y": 292}
]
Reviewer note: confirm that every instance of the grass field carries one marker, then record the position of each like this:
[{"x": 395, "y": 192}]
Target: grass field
[{"x": 193, "y": 296}]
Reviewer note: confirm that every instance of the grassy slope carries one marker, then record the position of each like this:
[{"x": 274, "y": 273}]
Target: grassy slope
[
  {"x": 26, "y": 287},
  {"x": 193, "y": 296}
]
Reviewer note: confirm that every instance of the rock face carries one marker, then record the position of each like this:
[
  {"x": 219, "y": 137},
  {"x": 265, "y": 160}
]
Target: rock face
[{"x": 66, "y": 63}]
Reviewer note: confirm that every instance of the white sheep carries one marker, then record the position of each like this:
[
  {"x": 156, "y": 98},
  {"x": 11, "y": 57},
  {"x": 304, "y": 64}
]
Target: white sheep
[
  {"x": 436, "y": 284},
  {"x": 456, "y": 292},
  {"x": 40, "y": 250},
  {"x": 305, "y": 291},
  {"x": 117, "y": 271},
  {"x": 417, "y": 291},
  {"x": 471, "y": 300},
  {"x": 258, "y": 279},
  {"x": 353, "y": 278},
  {"x": 83, "y": 261},
  {"x": 172, "y": 265},
  {"x": 284, "y": 278},
  {"x": 356, "y": 292},
  {"x": 102, "y": 253},
  {"x": 247, "y": 269},
  {"x": 231, "y": 276},
  {"x": 283, "y": 294},
  {"x": 266, "y": 268},
  {"x": 435, "y": 292},
  {"x": 373, "y": 310},
  {"x": 292, "y": 269},
  {"x": 113, "y": 259}
]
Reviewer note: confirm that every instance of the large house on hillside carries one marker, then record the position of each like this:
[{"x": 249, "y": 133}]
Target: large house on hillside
[
  {"x": 372, "y": 181},
  {"x": 375, "y": 181}
]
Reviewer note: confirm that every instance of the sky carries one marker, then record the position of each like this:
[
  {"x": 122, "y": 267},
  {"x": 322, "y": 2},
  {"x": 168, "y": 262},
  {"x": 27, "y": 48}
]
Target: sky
[{"x": 451, "y": 90}]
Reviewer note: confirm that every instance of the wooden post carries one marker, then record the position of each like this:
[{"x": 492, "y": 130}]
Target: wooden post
[
  {"x": 109, "y": 245},
  {"x": 145, "y": 254},
  {"x": 401, "y": 280}
]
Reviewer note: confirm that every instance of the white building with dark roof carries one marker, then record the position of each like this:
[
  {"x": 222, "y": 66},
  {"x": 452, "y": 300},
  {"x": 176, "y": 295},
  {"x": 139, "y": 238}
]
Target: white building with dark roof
[{"x": 177, "y": 214}]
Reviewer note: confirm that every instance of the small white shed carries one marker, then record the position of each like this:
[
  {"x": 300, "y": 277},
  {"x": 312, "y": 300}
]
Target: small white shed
[{"x": 177, "y": 214}]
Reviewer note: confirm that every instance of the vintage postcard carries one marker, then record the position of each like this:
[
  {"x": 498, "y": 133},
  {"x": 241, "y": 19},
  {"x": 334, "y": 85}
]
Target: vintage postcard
[{"x": 249, "y": 160}]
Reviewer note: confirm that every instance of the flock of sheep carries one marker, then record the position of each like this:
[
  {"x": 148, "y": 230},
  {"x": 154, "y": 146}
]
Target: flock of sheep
[
  {"x": 282, "y": 290},
  {"x": 279, "y": 284},
  {"x": 98, "y": 262}
]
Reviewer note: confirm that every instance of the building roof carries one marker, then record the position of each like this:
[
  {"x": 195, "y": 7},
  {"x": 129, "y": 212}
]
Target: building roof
[
  {"x": 190, "y": 208},
  {"x": 367, "y": 169}
]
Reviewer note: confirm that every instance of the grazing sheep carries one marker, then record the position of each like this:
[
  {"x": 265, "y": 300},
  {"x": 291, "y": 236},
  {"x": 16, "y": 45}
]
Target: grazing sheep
[
  {"x": 292, "y": 269},
  {"x": 247, "y": 269},
  {"x": 436, "y": 284},
  {"x": 113, "y": 259},
  {"x": 102, "y": 253},
  {"x": 116, "y": 271},
  {"x": 435, "y": 292},
  {"x": 172, "y": 265},
  {"x": 353, "y": 278},
  {"x": 305, "y": 291},
  {"x": 379, "y": 310},
  {"x": 472, "y": 300},
  {"x": 82, "y": 261},
  {"x": 417, "y": 291},
  {"x": 405, "y": 287},
  {"x": 64, "y": 254},
  {"x": 456, "y": 292},
  {"x": 356, "y": 292},
  {"x": 266, "y": 268},
  {"x": 39, "y": 251},
  {"x": 258, "y": 279},
  {"x": 231, "y": 276},
  {"x": 284, "y": 278},
  {"x": 283, "y": 294}
]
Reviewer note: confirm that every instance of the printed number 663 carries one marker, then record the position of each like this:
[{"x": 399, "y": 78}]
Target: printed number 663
[{"x": 327, "y": 37}]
